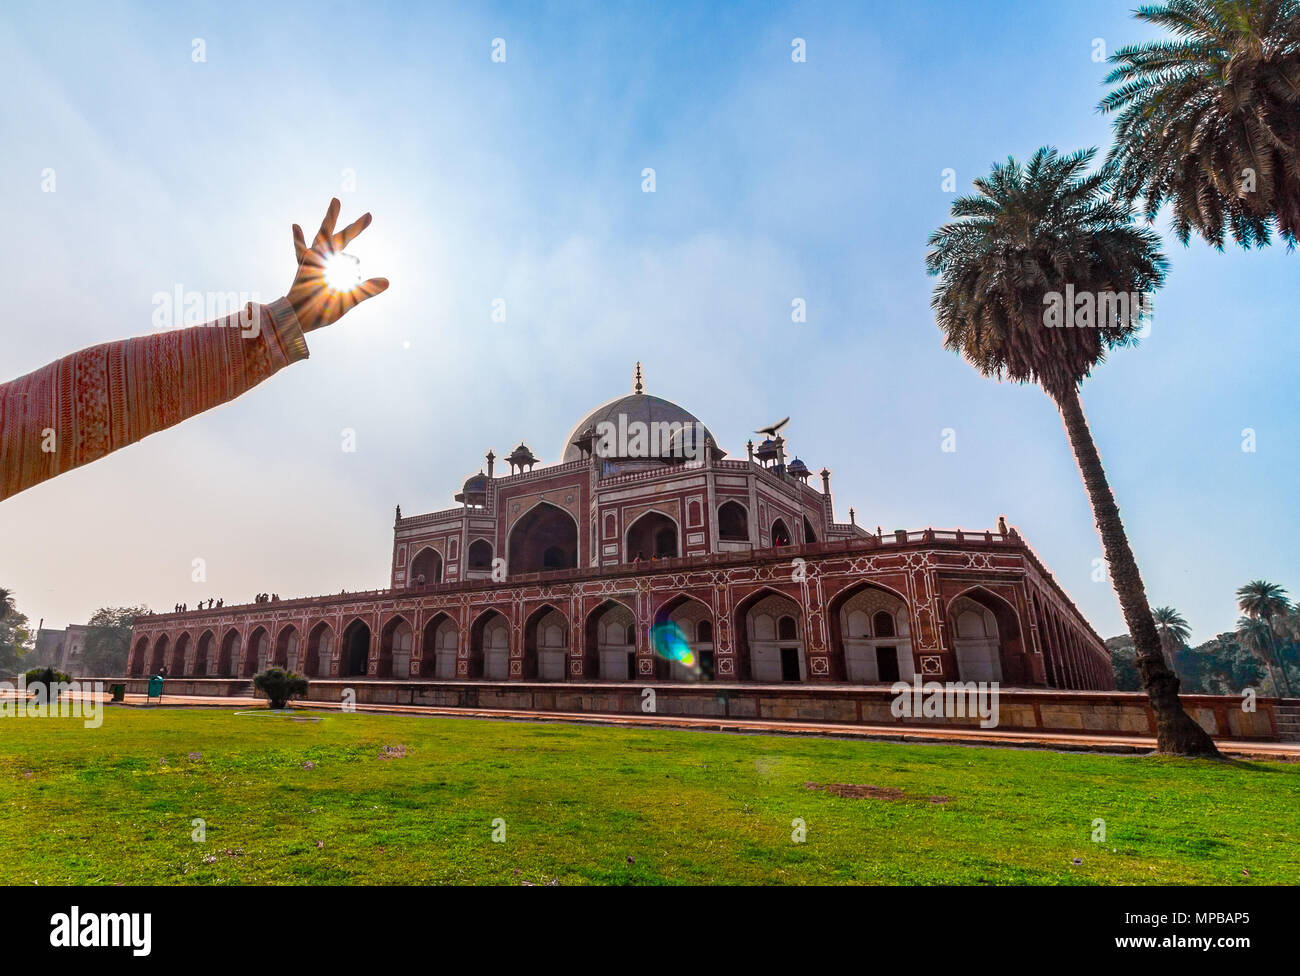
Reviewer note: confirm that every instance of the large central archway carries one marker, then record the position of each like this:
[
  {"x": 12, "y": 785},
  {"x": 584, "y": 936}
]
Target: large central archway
[{"x": 545, "y": 539}]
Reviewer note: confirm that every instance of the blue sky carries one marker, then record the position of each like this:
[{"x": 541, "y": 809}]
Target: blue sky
[{"x": 522, "y": 181}]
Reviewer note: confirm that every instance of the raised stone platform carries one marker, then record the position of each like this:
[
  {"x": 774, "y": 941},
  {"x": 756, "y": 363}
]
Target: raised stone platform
[{"x": 1019, "y": 710}]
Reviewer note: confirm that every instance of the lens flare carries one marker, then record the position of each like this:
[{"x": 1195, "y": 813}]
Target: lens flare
[
  {"x": 342, "y": 271},
  {"x": 669, "y": 642}
]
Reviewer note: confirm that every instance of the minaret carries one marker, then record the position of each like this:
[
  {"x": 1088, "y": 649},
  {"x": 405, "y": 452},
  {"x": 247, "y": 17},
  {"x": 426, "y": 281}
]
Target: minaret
[
  {"x": 491, "y": 459},
  {"x": 828, "y": 506},
  {"x": 638, "y": 387}
]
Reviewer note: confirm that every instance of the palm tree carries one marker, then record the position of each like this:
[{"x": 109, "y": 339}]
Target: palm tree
[
  {"x": 1209, "y": 120},
  {"x": 6, "y": 603},
  {"x": 1253, "y": 635},
  {"x": 1017, "y": 244},
  {"x": 1267, "y": 602},
  {"x": 1174, "y": 632}
]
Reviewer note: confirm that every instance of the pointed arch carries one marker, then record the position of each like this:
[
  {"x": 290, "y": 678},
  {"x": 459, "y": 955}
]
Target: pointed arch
[
  {"x": 176, "y": 666},
  {"x": 354, "y": 650},
  {"x": 139, "y": 656},
  {"x": 808, "y": 534},
  {"x": 426, "y": 567},
  {"x": 396, "y": 641},
  {"x": 228, "y": 658},
  {"x": 203, "y": 653},
  {"x": 159, "y": 659},
  {"x": 994, "y": 650},
  {"x": 733, "y": 522},
  {"x": 257, "y": 651},
  {"x": 546, "y": 644},
  {"x": 870, "y": 634},
  {"x": 489, "y": 645},
  {"x": 779, "y": 536},
  {"x": 320, "y": 650},
  {"x": 1049, "y": 658},
  {"x": 652, "y": 534},
  {"x": 479, "y": 555},
  {"x": 543, "y": 539},
  {"x": 609, "y": 655},
  {"x": 759, "y": 652},
  {"x": 694, "y": 623},
  {"x": 286, "y": 648},
  {"x": 439, "y": 645}
]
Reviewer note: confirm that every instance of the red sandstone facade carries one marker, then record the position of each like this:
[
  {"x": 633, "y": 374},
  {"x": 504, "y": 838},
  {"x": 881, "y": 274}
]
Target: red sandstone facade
[{"x": 558, "y": 573}]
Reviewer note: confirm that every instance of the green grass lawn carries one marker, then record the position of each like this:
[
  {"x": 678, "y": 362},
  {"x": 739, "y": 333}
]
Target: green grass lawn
[{"x": 309, "y": 802}]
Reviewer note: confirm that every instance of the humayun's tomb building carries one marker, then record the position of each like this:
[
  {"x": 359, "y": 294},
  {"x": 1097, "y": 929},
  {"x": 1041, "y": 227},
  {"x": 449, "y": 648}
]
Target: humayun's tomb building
[{"x": 557, "y": 574}]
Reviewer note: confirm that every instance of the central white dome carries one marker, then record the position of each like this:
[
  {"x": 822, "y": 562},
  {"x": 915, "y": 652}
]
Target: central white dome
[{"x": 635, "y": 407}]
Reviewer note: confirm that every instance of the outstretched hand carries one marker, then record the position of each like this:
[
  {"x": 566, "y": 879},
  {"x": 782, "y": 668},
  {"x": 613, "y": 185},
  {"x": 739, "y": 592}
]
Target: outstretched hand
[{"x": 314, "y": 302}]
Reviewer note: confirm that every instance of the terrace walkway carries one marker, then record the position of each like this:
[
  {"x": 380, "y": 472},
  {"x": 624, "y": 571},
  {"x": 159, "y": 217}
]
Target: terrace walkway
[{"x": 1107, "y": 742}]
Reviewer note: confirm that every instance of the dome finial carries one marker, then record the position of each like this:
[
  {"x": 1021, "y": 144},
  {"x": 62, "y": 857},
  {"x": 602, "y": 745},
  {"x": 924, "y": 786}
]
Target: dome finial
[{"x": 637, "y": 387}]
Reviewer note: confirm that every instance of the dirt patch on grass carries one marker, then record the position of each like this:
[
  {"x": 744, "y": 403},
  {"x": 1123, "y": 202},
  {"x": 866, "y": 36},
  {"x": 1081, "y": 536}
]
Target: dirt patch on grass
[
  {"x": 393, "y": 752},
  {"x": 862, "y": 790},
  {"x": 858, "y": 791}
]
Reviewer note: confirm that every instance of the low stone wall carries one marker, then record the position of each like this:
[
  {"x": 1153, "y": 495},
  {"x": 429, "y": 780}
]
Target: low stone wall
[
  {"x": 1019, "y": 710},
  {"x": 202, "y": 687}
]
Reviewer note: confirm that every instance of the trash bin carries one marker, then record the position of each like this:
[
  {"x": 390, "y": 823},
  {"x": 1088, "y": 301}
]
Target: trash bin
[
  {"x": 155, "y": 687},
  {"x": 119, "y": 692}
]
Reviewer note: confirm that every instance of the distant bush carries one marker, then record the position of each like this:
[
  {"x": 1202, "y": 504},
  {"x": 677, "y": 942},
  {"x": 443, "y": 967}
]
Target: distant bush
[
  {"x": 280, "y": 686},
  {"x": 47, "y": 677}
]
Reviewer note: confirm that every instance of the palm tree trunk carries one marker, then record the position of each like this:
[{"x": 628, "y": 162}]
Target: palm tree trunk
[
  {"x": 1176, "y": 733},
  {"x": 1278, "y": 661}
]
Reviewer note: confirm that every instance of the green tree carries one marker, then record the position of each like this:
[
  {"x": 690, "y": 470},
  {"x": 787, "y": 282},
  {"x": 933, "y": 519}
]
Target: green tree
[
  {"x": 280, "y": 686},
  {"x": 1253, "y": 635},
  {"x": 1123, "y": 662},
  {"x": 108, "y": 641},
  {"x": 1221, "y": 666},
  {"x": 1028, "y": 233},
  {"x": 16, "y": 637},
  {"x": 1266, "y": 602},
  {"x": 1173, "y": 630},
  {"x": 1209, "y": 119}
]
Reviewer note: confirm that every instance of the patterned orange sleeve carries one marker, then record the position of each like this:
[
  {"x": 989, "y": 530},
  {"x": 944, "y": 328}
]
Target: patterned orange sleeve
[{"x": 89, "y": 404}]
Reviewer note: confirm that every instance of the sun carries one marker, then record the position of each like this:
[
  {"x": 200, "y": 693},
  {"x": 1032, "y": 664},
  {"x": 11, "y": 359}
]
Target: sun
[{"x": 342, "y": 271}]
